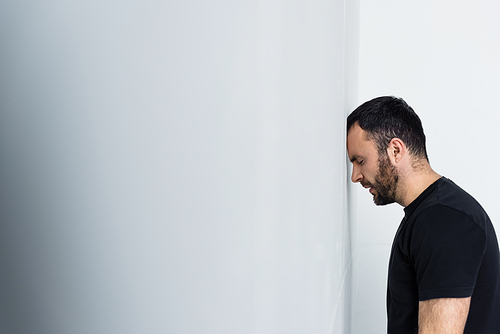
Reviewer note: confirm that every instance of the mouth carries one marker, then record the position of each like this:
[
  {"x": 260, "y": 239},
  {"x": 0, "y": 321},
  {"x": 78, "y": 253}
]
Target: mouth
[{"x": 369, "y": 187}]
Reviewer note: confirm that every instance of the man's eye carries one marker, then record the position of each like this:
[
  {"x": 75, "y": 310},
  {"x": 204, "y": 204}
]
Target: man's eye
[{"x": 361, "y": 162}]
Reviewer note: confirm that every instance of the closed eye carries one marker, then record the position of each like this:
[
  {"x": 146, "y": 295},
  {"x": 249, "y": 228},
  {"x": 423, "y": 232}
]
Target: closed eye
[{"x": 357, "y": 160}]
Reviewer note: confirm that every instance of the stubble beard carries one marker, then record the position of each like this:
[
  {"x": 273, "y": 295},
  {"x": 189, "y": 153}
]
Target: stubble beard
[{"x": 386, "y": 182}]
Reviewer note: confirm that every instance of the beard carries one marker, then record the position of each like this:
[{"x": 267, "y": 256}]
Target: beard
[{"x": 386, "y": 182}]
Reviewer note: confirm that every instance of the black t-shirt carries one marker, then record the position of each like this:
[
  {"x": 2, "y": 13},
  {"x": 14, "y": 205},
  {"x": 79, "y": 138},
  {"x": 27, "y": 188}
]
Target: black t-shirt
[{"x": 445, "y": 247}]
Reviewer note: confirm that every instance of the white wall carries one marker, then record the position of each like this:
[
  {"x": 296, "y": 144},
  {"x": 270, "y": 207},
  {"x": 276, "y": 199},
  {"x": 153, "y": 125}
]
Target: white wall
[
  {"x": 174, "y": 167},
  {"x": 442, "y": 58}
]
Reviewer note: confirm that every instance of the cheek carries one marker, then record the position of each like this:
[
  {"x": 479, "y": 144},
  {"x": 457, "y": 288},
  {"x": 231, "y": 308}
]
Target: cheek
[{"x": 371, "y": 172}]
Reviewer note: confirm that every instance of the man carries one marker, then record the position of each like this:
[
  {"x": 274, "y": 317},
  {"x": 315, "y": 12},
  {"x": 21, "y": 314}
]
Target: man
[{"x": 444, "y": 269}]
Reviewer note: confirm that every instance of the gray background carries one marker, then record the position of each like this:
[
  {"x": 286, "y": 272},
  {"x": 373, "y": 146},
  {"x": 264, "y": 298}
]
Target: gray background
[{"x": 175, "y": 166}]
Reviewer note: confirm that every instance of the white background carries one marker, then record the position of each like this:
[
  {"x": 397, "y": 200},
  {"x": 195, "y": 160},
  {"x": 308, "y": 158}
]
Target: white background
[
  {"x": 442, "y": 58},
  {"x": 175, "y": 166},
  {"x": 180, "y": 167}
]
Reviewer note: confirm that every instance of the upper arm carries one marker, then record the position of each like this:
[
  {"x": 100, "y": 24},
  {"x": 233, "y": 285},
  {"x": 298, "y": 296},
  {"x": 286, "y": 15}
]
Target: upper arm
[
  {"x": 447, "y": 250},
  {"x": 443, "y": 315}
]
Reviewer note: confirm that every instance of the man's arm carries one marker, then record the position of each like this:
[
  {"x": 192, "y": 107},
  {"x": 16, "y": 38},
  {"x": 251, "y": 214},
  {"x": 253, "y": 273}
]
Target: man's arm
[{"x": 443, "y": 315}]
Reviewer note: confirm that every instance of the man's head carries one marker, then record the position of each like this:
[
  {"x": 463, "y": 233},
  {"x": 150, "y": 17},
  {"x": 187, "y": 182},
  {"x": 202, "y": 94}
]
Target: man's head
[
  {"x": 378, "y": 132},
  {"x": 387, "y": 117}
]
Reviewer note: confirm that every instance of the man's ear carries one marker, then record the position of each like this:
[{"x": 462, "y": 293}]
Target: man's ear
[{"x": 396, "y": 150}]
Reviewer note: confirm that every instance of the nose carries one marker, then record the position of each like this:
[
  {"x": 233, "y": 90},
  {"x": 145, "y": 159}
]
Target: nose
[{"x": 356, "y": 174}]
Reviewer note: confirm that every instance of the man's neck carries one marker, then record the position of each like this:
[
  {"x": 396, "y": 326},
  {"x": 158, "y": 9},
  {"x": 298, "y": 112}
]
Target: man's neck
[{"x": 414, "y": 183}]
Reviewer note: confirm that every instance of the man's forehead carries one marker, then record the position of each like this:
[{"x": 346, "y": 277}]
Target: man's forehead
[
  {"x": 356, "y": 131},
  {"x": 358, "y": 142},
  {"x": 356, "y": 135}
]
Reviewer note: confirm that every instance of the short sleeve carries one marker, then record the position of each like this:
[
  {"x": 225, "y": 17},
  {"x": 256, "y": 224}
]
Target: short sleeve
[{"x": 446, "y": 248}]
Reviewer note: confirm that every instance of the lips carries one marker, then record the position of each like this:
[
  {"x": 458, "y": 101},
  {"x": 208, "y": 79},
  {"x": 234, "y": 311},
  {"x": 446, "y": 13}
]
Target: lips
[{"x": 369, "y": 187}]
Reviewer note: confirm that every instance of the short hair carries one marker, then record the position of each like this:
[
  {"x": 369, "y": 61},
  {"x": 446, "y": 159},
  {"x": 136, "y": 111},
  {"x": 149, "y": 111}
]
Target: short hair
[{"x": 387, "y": 117}]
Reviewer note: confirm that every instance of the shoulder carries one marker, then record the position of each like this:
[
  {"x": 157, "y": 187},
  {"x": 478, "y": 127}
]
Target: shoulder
[
  {"x": 446, "y": 238},
  {"x": 450, "y": 194},
  {"x": 448, "y": 201},
  {"x": 440, "y": 218},
  {"x": 452, "y": 200},
  {"x": 446, "y": 227},
  {"x": 446, "y": 214}
]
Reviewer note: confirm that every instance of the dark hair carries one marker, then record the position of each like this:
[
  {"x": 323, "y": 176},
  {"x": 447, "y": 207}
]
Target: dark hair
[{"x": 388, "y": 117}]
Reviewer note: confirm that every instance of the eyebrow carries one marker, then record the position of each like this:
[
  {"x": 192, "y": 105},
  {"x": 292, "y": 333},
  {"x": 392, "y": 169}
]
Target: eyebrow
[{"x": 354, "y": 158}]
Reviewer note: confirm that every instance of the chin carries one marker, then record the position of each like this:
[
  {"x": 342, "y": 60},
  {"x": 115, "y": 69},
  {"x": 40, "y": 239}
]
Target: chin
[{"x": 381, "y": 201}]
